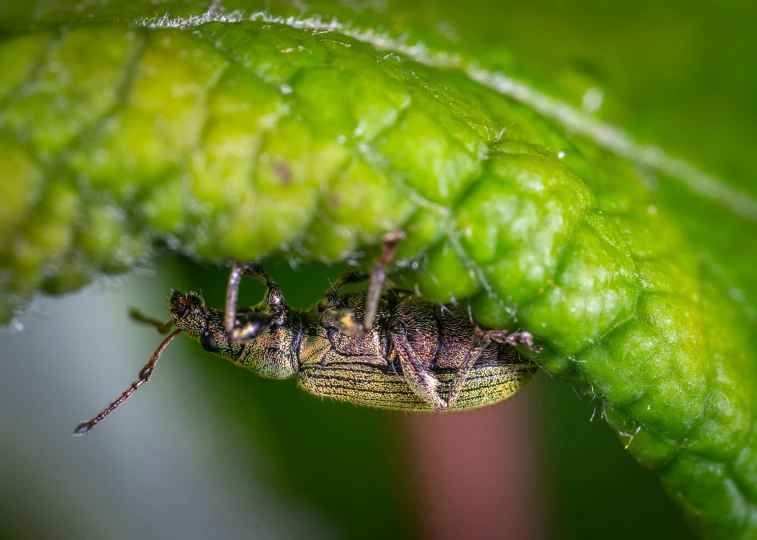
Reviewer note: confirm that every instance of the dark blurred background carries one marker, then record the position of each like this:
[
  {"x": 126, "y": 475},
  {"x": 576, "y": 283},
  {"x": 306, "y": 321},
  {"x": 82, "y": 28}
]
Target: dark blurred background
[{"x": 207, "y": 450}]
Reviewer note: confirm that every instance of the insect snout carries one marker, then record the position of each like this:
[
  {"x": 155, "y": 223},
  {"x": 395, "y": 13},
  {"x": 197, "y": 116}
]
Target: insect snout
[{"x": 182, "y": 305}]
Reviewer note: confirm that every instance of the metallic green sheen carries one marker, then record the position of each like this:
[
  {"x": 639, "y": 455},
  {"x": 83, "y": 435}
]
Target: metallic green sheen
[{"x": 363, "y": 369}]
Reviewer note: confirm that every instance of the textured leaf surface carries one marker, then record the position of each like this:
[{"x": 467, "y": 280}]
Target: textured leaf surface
[{"x": 249, "y": 134}]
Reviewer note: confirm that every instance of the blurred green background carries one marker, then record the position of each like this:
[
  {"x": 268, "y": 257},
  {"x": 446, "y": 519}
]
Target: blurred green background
[
  {"x": 210, "y": 451},
  {"x": 207, "y": 450}
]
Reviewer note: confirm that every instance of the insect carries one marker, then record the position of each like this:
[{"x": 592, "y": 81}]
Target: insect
[{"x": 389, "y": 350}]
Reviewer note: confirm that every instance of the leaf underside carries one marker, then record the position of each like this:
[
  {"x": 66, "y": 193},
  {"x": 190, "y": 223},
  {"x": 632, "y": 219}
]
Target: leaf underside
[{"x": 248, "y": 136}]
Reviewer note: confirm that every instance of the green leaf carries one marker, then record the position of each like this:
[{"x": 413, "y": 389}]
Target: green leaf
[{"x": 239, "y": 133}]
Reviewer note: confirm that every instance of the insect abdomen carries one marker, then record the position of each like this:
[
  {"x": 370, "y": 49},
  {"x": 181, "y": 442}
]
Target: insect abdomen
[{"x": 382, "y": 388}]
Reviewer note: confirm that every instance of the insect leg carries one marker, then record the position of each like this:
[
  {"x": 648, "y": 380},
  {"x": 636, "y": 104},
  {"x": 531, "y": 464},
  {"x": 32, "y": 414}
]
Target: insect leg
[
  {"x": 347, "y": 322},
  {"x": 481, "y": 339},
  {"x": 332, "y": 293},
  {"x": 241, "y": 333},
  {"x": 378, "y": 275},
  {"x": 521, "y": 337},
  {"x": 420, "y": 381}
]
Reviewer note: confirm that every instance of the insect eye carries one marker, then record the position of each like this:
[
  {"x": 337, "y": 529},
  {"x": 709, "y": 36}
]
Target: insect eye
[{"x": 208, "y": 342}]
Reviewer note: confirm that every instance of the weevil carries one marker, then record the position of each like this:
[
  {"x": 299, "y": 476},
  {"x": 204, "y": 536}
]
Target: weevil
[{"x": 389, "y": 350}]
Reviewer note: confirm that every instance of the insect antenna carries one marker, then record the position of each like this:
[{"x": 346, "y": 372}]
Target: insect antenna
[
  {"x": 162, "y": 327},
  {"x": 144, "y": 375}
]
